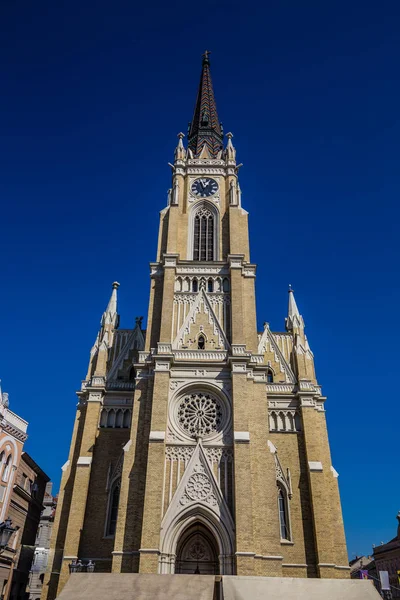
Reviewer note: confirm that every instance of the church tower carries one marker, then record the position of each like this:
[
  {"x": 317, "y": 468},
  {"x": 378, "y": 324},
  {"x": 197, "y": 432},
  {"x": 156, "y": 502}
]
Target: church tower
[{"x": 200, "y": 445}]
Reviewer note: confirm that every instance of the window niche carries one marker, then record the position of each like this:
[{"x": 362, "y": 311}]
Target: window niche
[
  {"x": 283, "y": 507},
  {"x": 113, "y": 503}
]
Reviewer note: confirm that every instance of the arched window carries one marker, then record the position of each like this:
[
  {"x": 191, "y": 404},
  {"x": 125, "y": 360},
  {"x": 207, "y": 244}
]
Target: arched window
[
  {"x": 270, "y": 376},
  {"x": 281, "y": 422},
  {"x": 127, "y": 418},
  {"x": 203, "y": 239},
  {"x": 113, "y": 508},
  {"x": 119, "y": 419},
  {"x": 201, "y": 342},
  {"x": 210, "y": 285},
  {"x": 283, "y": 514},
  {"x": 7, "y": 469},
  {"x": 195, "y": 285},
  {"x": 103, "y": 418}
]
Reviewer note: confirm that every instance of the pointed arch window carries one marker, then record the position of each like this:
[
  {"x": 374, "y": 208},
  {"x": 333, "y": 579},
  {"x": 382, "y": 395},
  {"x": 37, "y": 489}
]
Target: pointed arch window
[
  {"x": 203, "y": 239},
  {"x": 201, "y": 342},
  {"x": 113, "y": 508},
  {"x": 270, "y": 376},
  {"x": 283, "y": 513}
]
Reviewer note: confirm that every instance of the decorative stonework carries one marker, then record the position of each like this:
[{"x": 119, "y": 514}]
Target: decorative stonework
[
  {"x": 199, "y": 487},
  {"x": 199, "y": 415},
  {"x": 183, "y": 453}
]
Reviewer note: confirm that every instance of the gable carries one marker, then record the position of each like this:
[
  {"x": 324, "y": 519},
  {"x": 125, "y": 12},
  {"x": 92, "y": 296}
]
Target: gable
[{"x": 201, "y": 320}]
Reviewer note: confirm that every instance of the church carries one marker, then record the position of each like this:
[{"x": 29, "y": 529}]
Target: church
[{"x": 200, "y": 444}]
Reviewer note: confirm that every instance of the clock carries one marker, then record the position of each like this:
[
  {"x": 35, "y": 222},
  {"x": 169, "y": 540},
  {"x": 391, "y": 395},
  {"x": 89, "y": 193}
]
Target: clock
[{"x": 204, "y": 187}]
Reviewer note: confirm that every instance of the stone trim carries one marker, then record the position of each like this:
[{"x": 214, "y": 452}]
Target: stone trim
[
  {"x": 84, "y": 461},
  {"x": 294, "y": 565},
  {"x": 315, "y": 466},
  {"x": 241, "y": 437},
  {"x": 149, "y": 551},
  {"x": 157, "y": 436},
  {"x": 245, "y": 554}
]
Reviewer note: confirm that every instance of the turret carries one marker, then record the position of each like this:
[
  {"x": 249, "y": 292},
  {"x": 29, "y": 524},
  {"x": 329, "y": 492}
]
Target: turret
[
  {"x": 108, "y": 324},
  {"x": 303, "y": 358}
]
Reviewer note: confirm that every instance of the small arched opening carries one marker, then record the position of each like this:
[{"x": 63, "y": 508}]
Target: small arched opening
[{"x": 197, "y": 551}]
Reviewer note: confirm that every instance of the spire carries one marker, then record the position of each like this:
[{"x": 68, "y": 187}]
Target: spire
[
  {"x": 294, "y": 319},
  {"x": 110, "y": 316},
  {"x": 205, "y": 127}
]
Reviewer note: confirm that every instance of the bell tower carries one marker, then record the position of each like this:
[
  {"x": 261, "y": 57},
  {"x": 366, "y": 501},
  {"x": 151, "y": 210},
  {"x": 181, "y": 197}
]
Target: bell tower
[{"x": 225, "y": 465}]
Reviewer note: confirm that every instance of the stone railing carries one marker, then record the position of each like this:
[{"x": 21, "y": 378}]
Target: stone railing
[
  {"x": 200, "y": 355},
  {"x": 16, "y": 421},
  {"x": 120, "y": 385},
  {"x": 280, "y": 388}
]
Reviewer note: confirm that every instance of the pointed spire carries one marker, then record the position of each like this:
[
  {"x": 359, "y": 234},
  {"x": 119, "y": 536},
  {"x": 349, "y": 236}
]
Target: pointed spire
[
  {"x": 180, "y": 152},
  {"x": 205, "y": 127},
  {"x": 230, "y": 150},
  {"x": 294, "y": 319},
  {"x": 110, "y": 316}
]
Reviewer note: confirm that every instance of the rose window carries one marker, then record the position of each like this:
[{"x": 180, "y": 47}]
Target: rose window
[
  {"x": 198, "y": 487},
  {"x": 199, "y": 415}
]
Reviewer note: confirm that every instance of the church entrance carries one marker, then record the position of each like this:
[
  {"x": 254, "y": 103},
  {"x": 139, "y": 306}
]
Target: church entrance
[{"x": 197, "y": 552}]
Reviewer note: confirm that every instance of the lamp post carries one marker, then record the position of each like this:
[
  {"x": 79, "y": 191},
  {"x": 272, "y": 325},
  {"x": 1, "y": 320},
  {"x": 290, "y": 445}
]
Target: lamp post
[{"x": 6, "y": 531}]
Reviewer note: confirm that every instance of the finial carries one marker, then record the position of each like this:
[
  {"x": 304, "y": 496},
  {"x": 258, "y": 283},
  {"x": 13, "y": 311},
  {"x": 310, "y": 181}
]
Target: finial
[
  {"x": 205, "y": 57},
  {"x": 138, "y": 321},
  {"x": 181, "y": 135},
  {"x": 290, "y": 288},
  {"x": 229, "y": 135},
  {"x": 115, "y": 285}
]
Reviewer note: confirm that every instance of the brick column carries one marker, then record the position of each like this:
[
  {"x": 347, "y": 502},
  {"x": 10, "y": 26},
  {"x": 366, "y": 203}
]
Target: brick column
[
  {"x": 325, "y": 502},
  {"x": 81, "y": 484},
  {"x": 242, "y": 471},
  {"x": 149, "y": 550}
]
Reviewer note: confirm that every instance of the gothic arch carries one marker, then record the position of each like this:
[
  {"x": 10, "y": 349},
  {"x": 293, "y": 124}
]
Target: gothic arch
[
  {"x": 197, "y": 207},
  {"x": 197, "y": 551},
  {"x": 171, "y": 532}
]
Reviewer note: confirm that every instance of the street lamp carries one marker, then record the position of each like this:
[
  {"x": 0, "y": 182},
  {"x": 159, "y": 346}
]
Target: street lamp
[{"x": 6, "y": 531}]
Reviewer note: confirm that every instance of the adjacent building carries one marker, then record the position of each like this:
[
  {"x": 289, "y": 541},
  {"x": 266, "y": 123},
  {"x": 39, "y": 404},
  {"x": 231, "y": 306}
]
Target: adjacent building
[
  {"x": 42, "y": 544},
  {"x": 25, "y": 510},
  {"x": 387, "y": 558},
  {"x": 12, "y": 438},
  {"x": 200, "y": 445}
]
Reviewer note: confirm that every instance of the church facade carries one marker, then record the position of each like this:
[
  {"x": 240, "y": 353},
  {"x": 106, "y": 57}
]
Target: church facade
[{"x": 200, "y": 445}]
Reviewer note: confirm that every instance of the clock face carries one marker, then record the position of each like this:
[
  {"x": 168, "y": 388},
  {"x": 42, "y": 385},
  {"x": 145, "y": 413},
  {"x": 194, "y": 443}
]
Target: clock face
[{"x": 204, "y": 187}]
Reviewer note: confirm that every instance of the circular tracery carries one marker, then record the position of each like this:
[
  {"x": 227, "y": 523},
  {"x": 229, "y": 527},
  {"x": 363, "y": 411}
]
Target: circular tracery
[
  {"x": 198, "y": 487},
  {"x": 200, "y": 415}
]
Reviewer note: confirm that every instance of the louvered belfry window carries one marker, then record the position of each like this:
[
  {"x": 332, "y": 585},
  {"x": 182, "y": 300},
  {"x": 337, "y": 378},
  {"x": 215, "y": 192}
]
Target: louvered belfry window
[{"x": 203, "y": 248}]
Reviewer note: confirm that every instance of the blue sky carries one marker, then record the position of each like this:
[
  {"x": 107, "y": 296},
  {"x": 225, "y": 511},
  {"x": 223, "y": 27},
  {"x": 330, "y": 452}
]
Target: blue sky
[{"x": 93, "y": 95}]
